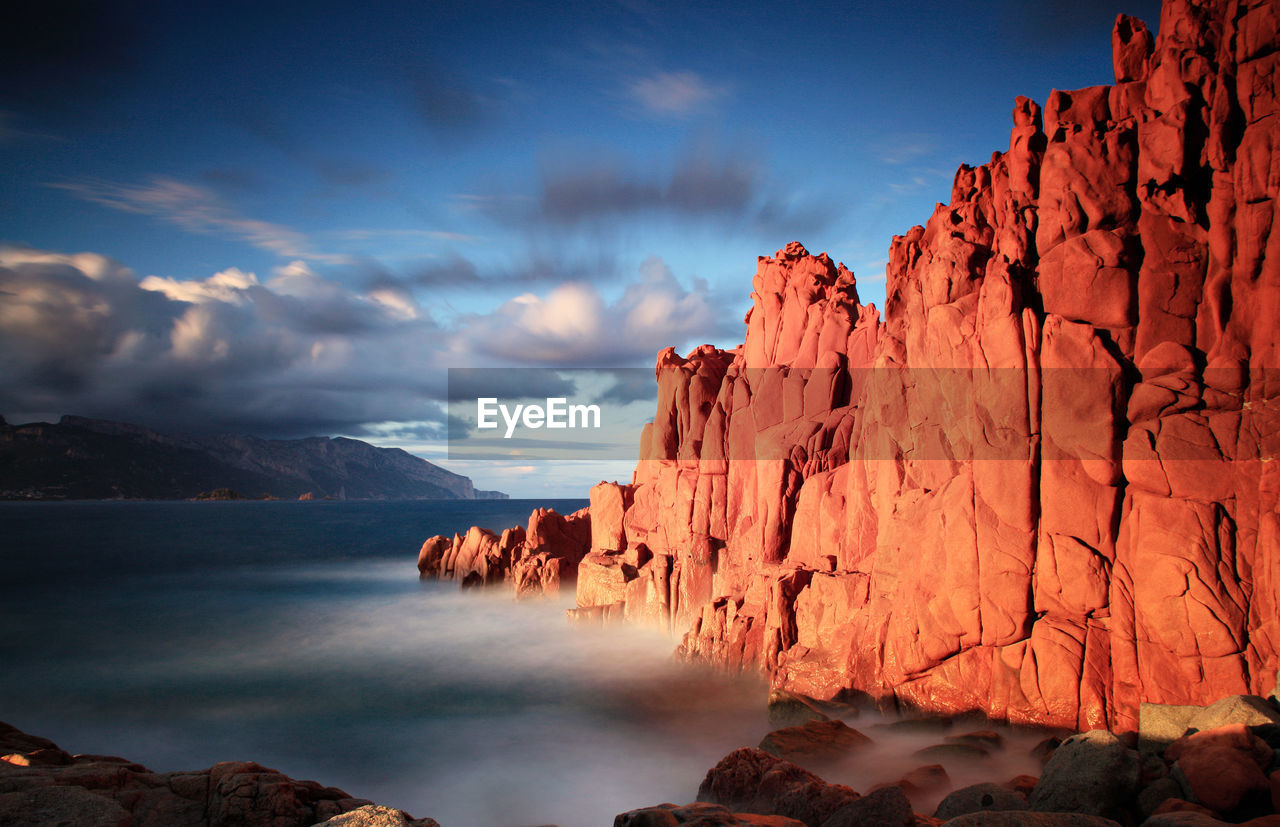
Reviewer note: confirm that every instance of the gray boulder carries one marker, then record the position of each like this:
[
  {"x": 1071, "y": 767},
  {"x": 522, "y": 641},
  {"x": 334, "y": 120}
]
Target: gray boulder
[
  {"x": 1249, "y": 710},
  {"x": 1092, "y": 773},
  {"x": 979, "y": 798},
  {"x": 1159, "y": 725}
]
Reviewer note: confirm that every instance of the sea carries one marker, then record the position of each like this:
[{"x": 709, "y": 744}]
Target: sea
[{"x": 298, "y": 635}]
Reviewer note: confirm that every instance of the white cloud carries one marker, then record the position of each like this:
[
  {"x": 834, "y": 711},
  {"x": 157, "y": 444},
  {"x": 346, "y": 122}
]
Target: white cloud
[
  {"x": 228, "y": 286},
  {"x": 674, "y": 93},
  {"x": 573, "y": 324},
  {"x": 296, "y": 354}
]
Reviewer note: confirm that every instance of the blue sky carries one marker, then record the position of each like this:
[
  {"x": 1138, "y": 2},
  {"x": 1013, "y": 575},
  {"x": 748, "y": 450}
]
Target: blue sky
[{"x": 292, "y": 218}]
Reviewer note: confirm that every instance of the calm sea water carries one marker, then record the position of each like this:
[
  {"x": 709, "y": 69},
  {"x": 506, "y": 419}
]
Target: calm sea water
[{"x": 298, "y": 635}]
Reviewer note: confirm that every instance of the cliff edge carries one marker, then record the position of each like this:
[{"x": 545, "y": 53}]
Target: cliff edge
[{"x": 1043, "y": 485}]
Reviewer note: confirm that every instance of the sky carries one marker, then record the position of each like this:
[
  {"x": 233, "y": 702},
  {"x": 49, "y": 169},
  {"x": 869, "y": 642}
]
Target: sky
[{"x": 291, "y": 219}]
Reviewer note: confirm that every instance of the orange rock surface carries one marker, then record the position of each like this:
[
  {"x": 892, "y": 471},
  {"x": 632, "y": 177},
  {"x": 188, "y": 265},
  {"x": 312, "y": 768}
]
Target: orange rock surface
[{"x": 1043, "y": 484}]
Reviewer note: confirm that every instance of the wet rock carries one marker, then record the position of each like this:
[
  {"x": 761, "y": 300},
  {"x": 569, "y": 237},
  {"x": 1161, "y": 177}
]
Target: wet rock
[
  {"x": 1093, "y": 773},
  {"x": 815, "y": 742},
  {"x": 753, "y": 781},
  {"x": 93, "y": 790},
  {"x": 698, "y": 814},
  {"x": 62, "y": 806},
  {"x": 888, "y": 806},
  {"x": 1010, "y": 818},
  {"x": 980, "y": 798},
  {"x": 790, "y": 709}
]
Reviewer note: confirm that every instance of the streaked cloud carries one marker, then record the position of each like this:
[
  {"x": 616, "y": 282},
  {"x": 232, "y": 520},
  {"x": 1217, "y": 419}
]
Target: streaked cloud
[
  {"x": 197, "y": 210},
  {"x": 715, "y": 185}
]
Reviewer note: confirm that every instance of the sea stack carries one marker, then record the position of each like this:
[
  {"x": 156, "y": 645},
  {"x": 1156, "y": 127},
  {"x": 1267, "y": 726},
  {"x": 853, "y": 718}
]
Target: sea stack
[{"x": 1042, "y": 485}]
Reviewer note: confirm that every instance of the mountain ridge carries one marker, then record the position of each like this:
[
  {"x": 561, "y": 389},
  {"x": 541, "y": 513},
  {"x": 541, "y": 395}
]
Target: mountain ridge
[{"x": 83, "y": 458}]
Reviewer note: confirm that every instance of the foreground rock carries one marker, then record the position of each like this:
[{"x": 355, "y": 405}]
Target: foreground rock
[
  {"x": 1226, "y": 774},
  {"x": 42, "y": 784},
  {"x": 1092, "y": 773},
  {"x": 699, "y": 814},
  {"x": 815, "y": 742}
]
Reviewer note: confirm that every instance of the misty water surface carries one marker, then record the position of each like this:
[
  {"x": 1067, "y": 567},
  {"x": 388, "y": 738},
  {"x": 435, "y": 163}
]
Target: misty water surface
[{"x": 297, "y": 635}]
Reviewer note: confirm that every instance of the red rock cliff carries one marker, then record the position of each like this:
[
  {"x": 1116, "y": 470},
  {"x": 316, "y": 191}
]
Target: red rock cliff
[{"x": 1043, "y": 485}]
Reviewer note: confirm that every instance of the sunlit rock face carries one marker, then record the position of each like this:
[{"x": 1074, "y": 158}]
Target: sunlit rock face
[
  {"x": 1043, "y": 484},
  {"x": 536, "y": 561}
]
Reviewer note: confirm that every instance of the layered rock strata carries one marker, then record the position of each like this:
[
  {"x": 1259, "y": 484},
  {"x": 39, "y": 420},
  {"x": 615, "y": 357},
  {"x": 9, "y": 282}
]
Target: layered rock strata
[{"x": 1043, "y": 485}]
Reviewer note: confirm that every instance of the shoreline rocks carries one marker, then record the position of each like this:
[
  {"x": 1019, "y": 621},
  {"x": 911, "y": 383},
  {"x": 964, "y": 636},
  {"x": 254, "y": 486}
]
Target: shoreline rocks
[
  {"x": 1226, "y": 774},
  {"x": 41, "y": 784}
]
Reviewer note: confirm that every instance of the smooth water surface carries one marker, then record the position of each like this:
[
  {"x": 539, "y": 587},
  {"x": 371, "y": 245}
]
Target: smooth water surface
[{"x": 298, "y": 635}]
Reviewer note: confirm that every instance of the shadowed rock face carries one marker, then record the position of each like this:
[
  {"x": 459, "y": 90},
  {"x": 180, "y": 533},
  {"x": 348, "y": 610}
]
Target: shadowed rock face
[
  {"x": 42, "y": 784},
  {"x": 1043, "y": 485}
]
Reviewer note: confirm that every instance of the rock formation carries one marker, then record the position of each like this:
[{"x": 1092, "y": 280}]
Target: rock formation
[
  {"x": 42, "y": 784},
  {"x": 536, "y": 561},
  {"x": 1043, "y": 485}
]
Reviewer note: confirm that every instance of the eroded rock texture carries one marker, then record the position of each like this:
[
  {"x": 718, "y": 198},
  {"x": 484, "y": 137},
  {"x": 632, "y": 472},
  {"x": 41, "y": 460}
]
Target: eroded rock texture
[
  {"x": 536, "y": 559},
  {"x": 1042, "y": 486}
]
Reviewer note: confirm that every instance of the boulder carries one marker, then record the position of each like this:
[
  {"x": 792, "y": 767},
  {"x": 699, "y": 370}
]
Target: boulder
[
  {"x": 699, "y": 814},
  {"x": 1221, "y": 777},
  {"x": 888, "y": 806},
  {"x": 753, "y": 781},
  {"x": 374, "y": 815},
  {"x": 1014, "y": 818},
  {"x": 1184, "y": 818},
  {"x": 1092, "y": 773},
  {"x": 102, "y": 791},
  {"x": 816, "y": 742},
  {"x": 57, "y": 805},
  {"x": 1249, "y": 710},
  {"x": 1161, "y": 724},
  {"x": 980, "y": 798}
]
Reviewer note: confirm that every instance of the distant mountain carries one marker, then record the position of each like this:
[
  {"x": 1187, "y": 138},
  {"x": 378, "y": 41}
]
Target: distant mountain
[{"x": 89, "y": 459}]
